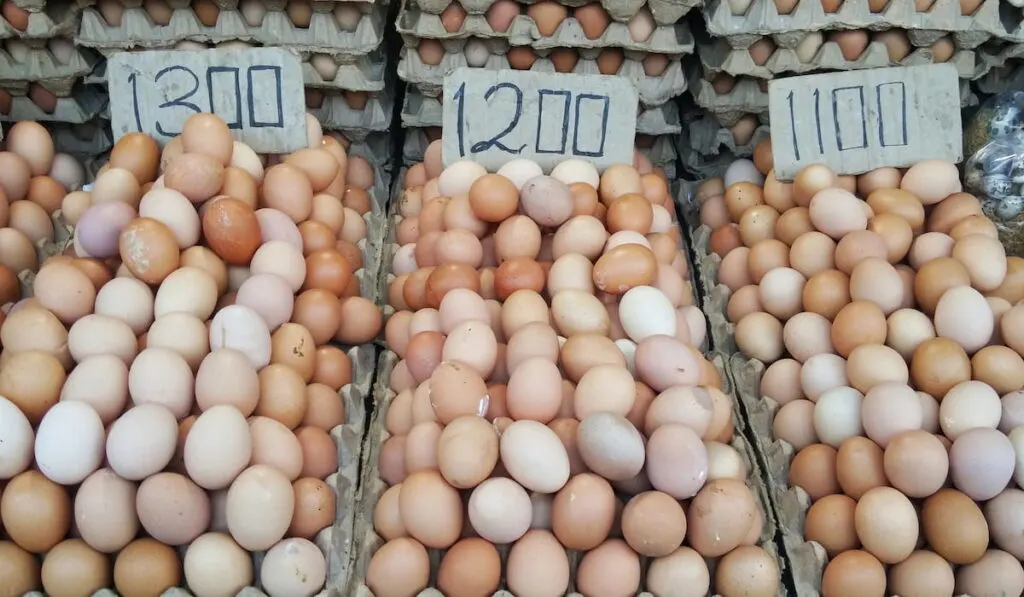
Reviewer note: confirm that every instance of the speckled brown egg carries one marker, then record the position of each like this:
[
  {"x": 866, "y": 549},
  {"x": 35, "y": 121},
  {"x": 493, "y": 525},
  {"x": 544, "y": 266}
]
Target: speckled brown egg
[{"x": 149, "y": 250}]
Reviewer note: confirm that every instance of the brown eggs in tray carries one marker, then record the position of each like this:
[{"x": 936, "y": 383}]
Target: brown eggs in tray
[
  {"x": 881, "y": 318},
  {"x": 181, "y": 385},
  {"x": 547, "y": 421}
]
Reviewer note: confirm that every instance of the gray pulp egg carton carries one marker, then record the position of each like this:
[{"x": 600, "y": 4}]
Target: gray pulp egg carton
[
  {"x": 39, "y": 64},
  {"x": 1008, "y": 77},
  {"x": 358, "y": 73},
  {"x": 996, "y": 57},
  {"x": 708, "y": 137},
  {"x": 719, "y": 56},
  {"x": 88, "y": 138},
  {"x": 652, "y": 91},
  {"x": 84, "y": 104},
  {"x": 419, "y": 110},
  {"x": 336, "y": 114},
  {"x": 323, "y": 35},
  {"x": 414, "y": 23},
  {"x": 59, "y": 19},
  {"x": 335, "y": 541},
  {"x": 923, "y": 28},
  {"x": 665, "y": 12}
]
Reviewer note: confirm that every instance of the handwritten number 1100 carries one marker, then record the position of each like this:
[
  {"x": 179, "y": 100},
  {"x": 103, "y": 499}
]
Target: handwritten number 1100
[
  {"x": 517, "y": 97},
  {"x": 855, "y": 95}
]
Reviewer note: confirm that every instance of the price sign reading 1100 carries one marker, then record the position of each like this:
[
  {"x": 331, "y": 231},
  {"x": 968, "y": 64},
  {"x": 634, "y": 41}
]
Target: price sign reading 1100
[{"x": 861, "y": 120}]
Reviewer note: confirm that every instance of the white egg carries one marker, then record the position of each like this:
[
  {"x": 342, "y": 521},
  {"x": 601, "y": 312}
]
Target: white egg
[
  {"x": 576, "y": 170},
  {"x": 743, "y": 171},
  {"x": 628, "y": 349},
  {"x": 837, "y": 415},
  {"x": 69, "y": 443},
  {"x": 520, "y": 170},
  {"x": 645, "y": 311},
  {"x": 244, "y": 330},
  {"x": 142, "y": 441},
  {"x": 1017, "y": 440},
  {"x": 16, "y": 440}
]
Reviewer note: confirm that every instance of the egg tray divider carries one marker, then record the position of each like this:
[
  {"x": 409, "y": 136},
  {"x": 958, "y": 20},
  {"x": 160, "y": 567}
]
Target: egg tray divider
[
  {"x": 653, "y": 91},
  {"x": 371, "y": 487},
  {"x": 88, "y": 139},
  {"x": 40, "y": 65},
  {"x": 923, "y": 28},
  {"x": 718, "y": 57},
  {"x": 414, "y": 23},
  {"x": 355, "y": 73},
  {"x": 1008, "y": 77},
  {"x": 335, "y": 114},
  {"x": 709, "y": 137},
  {"x": 665, "y": 12},
  {"x": 421, "y": 110},
  {"x": 323, "y": 35},
  {"x": 85, "y": 103},
  {"x": 60, "y": 20}
]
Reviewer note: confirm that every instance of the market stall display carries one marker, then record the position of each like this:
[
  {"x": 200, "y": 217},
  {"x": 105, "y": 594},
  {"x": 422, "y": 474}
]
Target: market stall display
[
  {"x": 871, "y": 326},
  {"x": 183, "y": 378},
  {"x": 42, "y": 70},
  {"x": 642, "y": 42}
]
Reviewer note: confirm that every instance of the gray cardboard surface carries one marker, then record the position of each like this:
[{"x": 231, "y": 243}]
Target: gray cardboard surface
[
  {"x": 265, "y": 95},
  {"x": 419, "y": 110},
  {"x": 414, "y": 23},
  {"x": 39, "y": 64},
  {"x": 57, "y": 18},
  {"x": 876, "y": 118},
  {"x": 85, "y": 103},
  {"x": 601, "y": 130},
  {"x": 323, "y": 34},
  {"x": 708, "y": 137},
  {"x": 665, "y": 12},
  {"x": 362, "y": 73},
  {"x": 719, "y": 57},
  {"x": 91, "y": 138},
  {"x": 336, "y": 114},
  {"x": 653, "y": 91},
  {"x": 762, "y": 18}
]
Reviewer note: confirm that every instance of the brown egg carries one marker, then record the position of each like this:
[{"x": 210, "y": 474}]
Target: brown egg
[
  {"x": 139, "y": 154},
  {"x": 939, "y": 364},
  {"x": 327, "y": 269},
  {"x": 1000, "y": 367},
  {"x": 860, "y": 466},
  {"x": 146, "y": 568},
  {"x": 547, "y": 16},
  {"x": 287, "y": 189},
  {"x": 625, "y": 267},
  {"x": 319, "y": 454},
  {"x": 643, "y": 534},
  {"x": 761, "y": 50},
  {"x": 149, "y": 250},
  {"x": 564, "y": 59},
  {"x": 314, "y": 508},
  {"x": 583, "y": 512},
  {"x": 724, "y": 239},
  {"x": 854, "y": 573},
  {"x": 610, "y": 60},
  {"x": 814, "y": 470},
  {"x": 441, "y": 279},
  {"x": 810, "y": 180},
  {"x": 857, "y": 324},
  {"x": 851, "y": 43},
  {"x": 361, "y": 321},
  {"x": 934, "y": 278},
  {"x": 36, "y": 511},
  {"x": 955, "y": 527},
  {"x": 46, "y": 192},
  {"x": 830, "y": 523},
  {"x": 519, "y": 57},
  {"x": 282, "y": 395},
  {"x": 493, "y": 198},
  {"x": 73, "y": 568},
  {"x": 19, "y": 569},
  {"x": 231, "y": 230},
  {"x": 630, "y": 211},
  {"x": 741, "y": 196},
  {"x": 470, "y": 567},
  {"x": 195, "y": 175},
  {"x": 518, "y": 274}
]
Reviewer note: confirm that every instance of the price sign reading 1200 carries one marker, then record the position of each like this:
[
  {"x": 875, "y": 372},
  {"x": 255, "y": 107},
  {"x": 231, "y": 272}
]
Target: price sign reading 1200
[
  {"x": 861, "y": 120},
  {"x": 258, "y": 92},
  {"x": 493, "y": 116}
]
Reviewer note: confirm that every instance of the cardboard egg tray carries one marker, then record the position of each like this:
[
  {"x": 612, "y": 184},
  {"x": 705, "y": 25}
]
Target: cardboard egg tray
[
  {"x": 923, "y": 28},
  {"x": 708, "y": 137},
  {"x": 91, "y": 138},
  {"x": 665, "y": 12},
  {"x": 323, "y": 35},
  {"x": 84, "y": 104},
  {"x": 419, "y": 110},
  {"x": 1008, "y": 77},
  {"x": 414, "y": 23},
  {"x": 336, "y": 114},
  {"x": 718, "y": 57},
  {"x": 653, "y": 91},
  {"x": 994, "y": 57},
  {"x": 364, "y": 73},
  {"x": 376, "y": 149},
  {"x": 40, "y": 65},
  {"x": 56, "y": 19},
  {"x": 334, "y": 541}
]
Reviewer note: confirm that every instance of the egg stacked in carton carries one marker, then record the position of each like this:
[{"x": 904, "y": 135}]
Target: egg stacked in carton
[
  {"x": 640, "y": 40},
  {"x": 42, "y": 72},
  {"x": 749, "y": 42},
  {"x": 343, "y": 60}
]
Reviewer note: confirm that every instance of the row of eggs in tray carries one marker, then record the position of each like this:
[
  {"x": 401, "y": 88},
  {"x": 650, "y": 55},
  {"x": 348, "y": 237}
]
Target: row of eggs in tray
[{"x": 785, "y": 7}]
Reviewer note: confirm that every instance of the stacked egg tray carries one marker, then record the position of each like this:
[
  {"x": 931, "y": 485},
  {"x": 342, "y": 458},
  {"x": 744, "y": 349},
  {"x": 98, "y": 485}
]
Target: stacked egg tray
[
  {"x": 40, "y": 68},
  {"x": 334, "y": 59},
  {"x": 421, "y": 20},
  {"x": 372, "y": 487}
]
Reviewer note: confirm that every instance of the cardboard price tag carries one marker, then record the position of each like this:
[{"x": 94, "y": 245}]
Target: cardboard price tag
[
  {"x": 258, "y": 92},
  {"x": 493, "y": 116},
  {"x": 857, "y": 121}
]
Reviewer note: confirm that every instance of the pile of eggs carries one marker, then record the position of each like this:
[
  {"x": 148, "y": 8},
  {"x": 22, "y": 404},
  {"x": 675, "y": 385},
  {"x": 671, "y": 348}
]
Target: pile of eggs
[
  {"x": 550, "y": 395},
  {"x": 890, "y": 321},
  {"x": 168, "y": 393},
  {"x": 300, "y": 12},
  {"x": 785, "y": 7}
]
